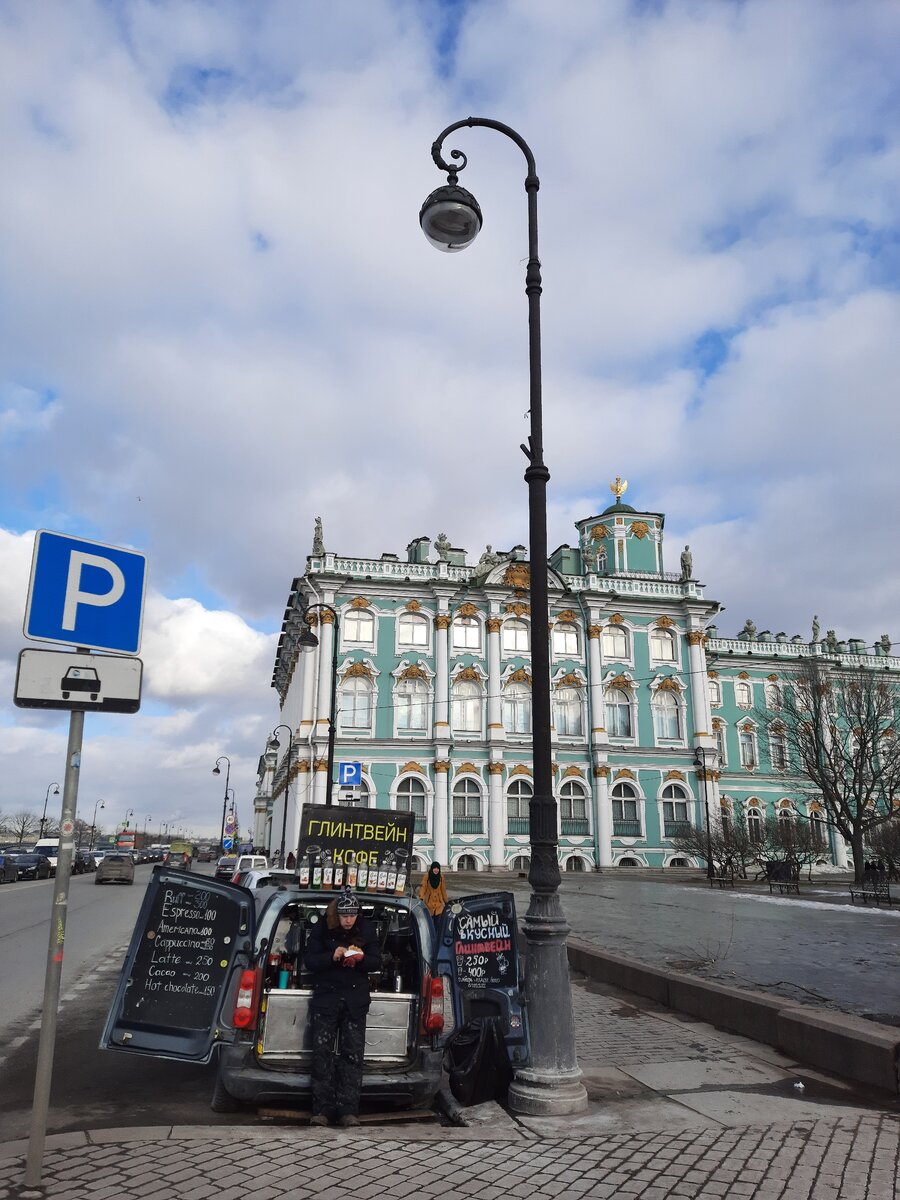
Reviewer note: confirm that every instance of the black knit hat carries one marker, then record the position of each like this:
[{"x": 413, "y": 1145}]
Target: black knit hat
[{"x": 347, "y": 905}]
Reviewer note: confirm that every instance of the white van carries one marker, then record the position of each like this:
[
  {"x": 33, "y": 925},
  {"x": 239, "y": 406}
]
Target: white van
[
  {"x": 250, "y": 862},
  {"x": 49, "y": 847}
]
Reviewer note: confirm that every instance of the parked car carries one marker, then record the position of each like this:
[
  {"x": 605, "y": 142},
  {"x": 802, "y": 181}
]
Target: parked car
[
  {"x": 116, "y": 868},
  {"x": 83, "y": 863},
  {"x": 98, "y": 856},
  {"x": 31, "y": 865},
  {"x": 9, "y": 872},
  {"x": 49, "y": 847},
  {"x": 249, "y": 862},
  {"x": 206, "y": 854},
  {"x": 226, "y": 867},
  {"x": 249, "y": 992}
]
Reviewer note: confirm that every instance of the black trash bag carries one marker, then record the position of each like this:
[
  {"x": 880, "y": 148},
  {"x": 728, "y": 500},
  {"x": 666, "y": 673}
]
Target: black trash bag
[{"x": 478, "y": 1063}]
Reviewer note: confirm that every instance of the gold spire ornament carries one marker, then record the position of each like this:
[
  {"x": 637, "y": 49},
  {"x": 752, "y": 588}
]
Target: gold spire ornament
[{"x": 619, "y": 488}]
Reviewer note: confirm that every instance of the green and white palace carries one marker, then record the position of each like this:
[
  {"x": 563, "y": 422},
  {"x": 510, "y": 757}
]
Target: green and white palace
[{"x": 433, "y": 672}]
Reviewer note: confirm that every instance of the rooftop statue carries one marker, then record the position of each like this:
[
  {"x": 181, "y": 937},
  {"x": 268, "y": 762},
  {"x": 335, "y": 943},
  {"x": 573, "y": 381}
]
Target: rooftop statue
[
  {"x": 490, "y": 558},
  {"x": 318, "y": 546},
  {"x": 815, "y": 629},
  {"x": 885, "y": 643},
  {"x": 749, "y": 629},
  {"x": 687, "y": 564},
  {"x": 442, "y": 546}
]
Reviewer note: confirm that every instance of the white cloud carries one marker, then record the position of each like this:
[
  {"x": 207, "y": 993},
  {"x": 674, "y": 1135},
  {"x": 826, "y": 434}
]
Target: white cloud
[{"x": 218, "y": 317}]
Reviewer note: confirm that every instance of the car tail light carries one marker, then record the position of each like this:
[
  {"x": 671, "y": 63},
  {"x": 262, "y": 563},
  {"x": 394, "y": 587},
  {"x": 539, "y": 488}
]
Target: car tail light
[
  {"x": 433, "y": 1015},
  {"x": 247, "y": 1000},
  {"x": 235, "y": 877}
]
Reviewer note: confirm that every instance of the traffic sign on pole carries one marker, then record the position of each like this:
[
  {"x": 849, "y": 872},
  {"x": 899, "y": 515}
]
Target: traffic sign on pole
[
  {"x": 85, "y": 593},
  {"x": 349, "y": 774}
]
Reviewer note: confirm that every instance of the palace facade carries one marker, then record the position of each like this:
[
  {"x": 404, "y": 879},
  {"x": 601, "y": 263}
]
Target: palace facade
[{"x": 431, "y": 658}]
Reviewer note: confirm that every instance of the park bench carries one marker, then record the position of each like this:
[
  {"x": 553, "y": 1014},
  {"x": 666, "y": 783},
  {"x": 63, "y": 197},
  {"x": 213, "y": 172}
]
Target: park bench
[
  {"x": 783, "y": 875},
  {"x": 873, "y": 887},
  {"x": 724, "y": 877}
]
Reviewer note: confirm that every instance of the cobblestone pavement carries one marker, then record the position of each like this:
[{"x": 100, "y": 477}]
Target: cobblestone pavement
[{"x": 677, "y": 1109}]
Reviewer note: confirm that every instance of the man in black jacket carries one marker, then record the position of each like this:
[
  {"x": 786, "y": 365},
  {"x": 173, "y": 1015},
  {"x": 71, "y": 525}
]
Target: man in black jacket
[{"x": 340, "y": 953}]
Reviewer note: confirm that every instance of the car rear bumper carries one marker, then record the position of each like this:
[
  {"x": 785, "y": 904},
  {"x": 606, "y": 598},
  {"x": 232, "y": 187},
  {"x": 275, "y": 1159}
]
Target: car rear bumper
[{"x": 413, "y": 1086}]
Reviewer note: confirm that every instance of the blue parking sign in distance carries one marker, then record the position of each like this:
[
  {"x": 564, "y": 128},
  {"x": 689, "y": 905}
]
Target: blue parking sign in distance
[
  {"x": 85, "y": 593},
  {"x": 349, "y": 774}
]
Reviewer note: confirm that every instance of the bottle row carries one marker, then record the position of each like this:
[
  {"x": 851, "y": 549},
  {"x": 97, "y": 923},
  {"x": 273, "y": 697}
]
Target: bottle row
[{"x": 388, "y": 874}]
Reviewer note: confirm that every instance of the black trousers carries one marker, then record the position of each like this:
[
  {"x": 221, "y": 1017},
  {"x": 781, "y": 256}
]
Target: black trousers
[{"x": 337, "y": 1074}]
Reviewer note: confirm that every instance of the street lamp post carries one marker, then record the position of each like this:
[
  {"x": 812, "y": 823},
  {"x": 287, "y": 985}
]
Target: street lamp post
[
  {"x": 307, "y": 641},
  {"x": 217, "y": 771},
  {"x": 700, "y": 763},
  {"x": 99, "y": 804},
  {"x": 55, "y": 787},
  {"x": 551, "y": 1084},
  {"x": 276, "y": 745}
]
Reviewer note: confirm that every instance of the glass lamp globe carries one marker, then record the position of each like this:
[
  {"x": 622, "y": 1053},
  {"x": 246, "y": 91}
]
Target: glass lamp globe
[{"x": 450, "y": 218}]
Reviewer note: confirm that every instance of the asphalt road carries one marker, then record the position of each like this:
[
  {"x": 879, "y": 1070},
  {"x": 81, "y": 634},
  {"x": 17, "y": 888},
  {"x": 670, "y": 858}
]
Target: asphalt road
[
  {"x": 99, "y": 919},
  {"x": 813, "y": 950}
]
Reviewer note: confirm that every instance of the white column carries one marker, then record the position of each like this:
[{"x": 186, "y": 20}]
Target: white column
[
  {"x": 841, "y": 858},
  {"x": 702, "y": 714},
  {"x": 599, "y": 735},
  {"x": 308, "y": 663},
  {"x": 603, "y": 814},
  {"x": 496, "y": 815},
  {"x": 440, "y": 817},
  {"x": 323, "y": 705},
  {"x": 441, "y": 678},
  {"x": 494, "y": 708}
]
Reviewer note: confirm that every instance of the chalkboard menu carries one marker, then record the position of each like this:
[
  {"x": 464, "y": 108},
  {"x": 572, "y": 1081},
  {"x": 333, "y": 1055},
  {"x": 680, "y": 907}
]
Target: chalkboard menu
[
  {"x": 484, "y": 947},
  {"x": 185, "y": 945}
]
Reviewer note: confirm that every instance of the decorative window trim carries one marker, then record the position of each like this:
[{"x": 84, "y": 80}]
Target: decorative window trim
[
  {"x": 423, "y": 618},
  {"x": 621, "y": 682},
  {"x": 414, "y": 771},
  {"x": 471, "y": 613},
  {"x": 669, "y": 685},
  {"x": 359, "y": 604},
  {"x": 617, "y": 621},
  {"x": 508, "y": 623}
]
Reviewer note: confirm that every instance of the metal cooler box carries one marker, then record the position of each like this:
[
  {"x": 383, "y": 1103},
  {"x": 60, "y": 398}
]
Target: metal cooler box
[{"x": 286, "y": 1034}]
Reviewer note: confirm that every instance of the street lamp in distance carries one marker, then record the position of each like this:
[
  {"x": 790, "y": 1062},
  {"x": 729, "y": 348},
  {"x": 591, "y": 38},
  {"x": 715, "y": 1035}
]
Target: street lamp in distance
[
  {"x": 308, "y": 641},
  {"x": 55, "y": 787},
  {"x": 99, "y": 804},
  {"x": 276, "y": 745},
  {"x": 218, "y": 771}
]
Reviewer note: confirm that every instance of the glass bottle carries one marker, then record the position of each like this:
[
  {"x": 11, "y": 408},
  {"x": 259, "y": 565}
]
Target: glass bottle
[
  {"x": 351, "y": 869},
  {"x": 304, "y": 873},
  {"x": 327, "y": 873},
  {"x": 390, "y": 883},
  {"x": 362, "y": 876},
  {"x": 382, "y": 873},
  {"x": 317, "y": 873},
  {"x": 338, "y": 876}
]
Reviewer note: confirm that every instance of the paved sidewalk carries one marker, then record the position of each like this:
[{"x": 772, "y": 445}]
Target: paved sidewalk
[{"x": 677, "y": 1109}]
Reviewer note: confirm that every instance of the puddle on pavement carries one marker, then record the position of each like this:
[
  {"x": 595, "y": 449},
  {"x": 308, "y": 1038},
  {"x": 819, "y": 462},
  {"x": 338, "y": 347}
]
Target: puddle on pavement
[{"x": 817, "y": 1091}]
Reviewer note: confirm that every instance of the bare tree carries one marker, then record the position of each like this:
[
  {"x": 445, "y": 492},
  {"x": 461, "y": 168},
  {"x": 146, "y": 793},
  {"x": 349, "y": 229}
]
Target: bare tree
[
  {"x": 839, "y": 728},
  {"x": 23, "y": 825}
]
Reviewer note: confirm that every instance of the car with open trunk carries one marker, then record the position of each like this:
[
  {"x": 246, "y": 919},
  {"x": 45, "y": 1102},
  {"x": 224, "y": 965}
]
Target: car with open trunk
[{"x": 212, "y": 966}]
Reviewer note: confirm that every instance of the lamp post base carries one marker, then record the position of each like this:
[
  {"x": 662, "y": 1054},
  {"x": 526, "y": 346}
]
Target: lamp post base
[{"x": 551, "y": 1084}]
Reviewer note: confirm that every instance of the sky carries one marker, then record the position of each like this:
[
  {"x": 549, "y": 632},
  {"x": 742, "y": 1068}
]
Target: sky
[{"x": 219, "y": 319}]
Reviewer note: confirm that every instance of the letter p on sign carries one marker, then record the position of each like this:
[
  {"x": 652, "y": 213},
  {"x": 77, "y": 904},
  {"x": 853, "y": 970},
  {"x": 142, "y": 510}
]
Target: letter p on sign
[{"x": 85, "y": 593}]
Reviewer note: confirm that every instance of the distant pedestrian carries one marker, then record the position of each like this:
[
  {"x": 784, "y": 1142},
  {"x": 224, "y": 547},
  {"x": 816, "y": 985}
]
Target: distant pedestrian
[{"x": 433, "y": 891}]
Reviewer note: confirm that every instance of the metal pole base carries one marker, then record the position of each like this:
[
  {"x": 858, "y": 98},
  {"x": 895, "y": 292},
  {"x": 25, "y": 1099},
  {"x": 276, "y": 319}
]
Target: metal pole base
[{"x": 551, "y": 1083}]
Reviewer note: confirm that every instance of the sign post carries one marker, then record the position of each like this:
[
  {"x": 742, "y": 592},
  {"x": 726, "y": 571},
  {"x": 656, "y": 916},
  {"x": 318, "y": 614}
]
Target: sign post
[{"x": 90, "y": 596}]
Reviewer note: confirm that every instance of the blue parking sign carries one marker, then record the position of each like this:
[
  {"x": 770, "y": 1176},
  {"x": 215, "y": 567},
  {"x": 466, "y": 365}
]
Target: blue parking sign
[
  {"x": 349, "y": 774},
  {"x": 85, "y": 593}
]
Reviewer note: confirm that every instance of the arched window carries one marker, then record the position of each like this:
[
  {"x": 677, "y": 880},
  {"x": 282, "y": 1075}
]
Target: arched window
[
  {"x": 358, "y": 626},
  {"x": 567, "y": 715},
  {"x": 515, "y": 637},
  {"x": 615, "y": 643},
  {"x": 675, "y": 811},
  {"x": 518, "y": 797},
  {"x": 520, "y": 863},
  {"x": 747, "y": 743},
  {"x": 467, "y": 863},
  {"x": 666, "y": 716},
  {"x": 618, "y": 713},
  {"x": 517, "y": 708},
  {"x": 412, "y": 630},
  {"x": 411, "y": 699},
  {"x": 466, "y": 634},
  {"x": 574, "y": 863},
  {"x": 355, "y": 704},
  {"x": 626, "y": 815},
  {"x": 754, "y": 825},
  {"x": 662, "y": 645},
  {"x": 565, "y": 640},
  {"x": 773, "y": 696},
  {"x": 465, "y": 706},
  {"x": 743, "y": 695},
  {"x": 573, "y": 809},
  {"x": 466, "y": 806},
  {"x": 411, "y": 798},
  {"x": 715, "y": 692}
]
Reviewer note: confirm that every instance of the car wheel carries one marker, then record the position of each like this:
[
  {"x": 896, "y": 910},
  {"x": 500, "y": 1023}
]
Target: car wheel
[{"x": 222, "y": 1100}]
